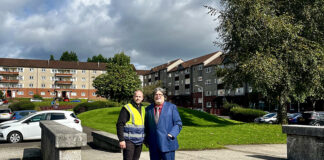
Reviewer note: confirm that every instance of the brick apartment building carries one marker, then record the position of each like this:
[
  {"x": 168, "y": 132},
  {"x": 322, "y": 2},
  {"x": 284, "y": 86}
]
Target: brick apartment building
[
  {"x": 186, "y": 81},
  {"x": 26, "y": 77}
]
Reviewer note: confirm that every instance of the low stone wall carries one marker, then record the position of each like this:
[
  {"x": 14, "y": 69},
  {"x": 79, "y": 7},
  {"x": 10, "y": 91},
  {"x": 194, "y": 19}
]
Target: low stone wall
[
  {"x": 60, "y": 142},
  {"x": 304, "y": 142},
  {"x": 106, "y": 141}
]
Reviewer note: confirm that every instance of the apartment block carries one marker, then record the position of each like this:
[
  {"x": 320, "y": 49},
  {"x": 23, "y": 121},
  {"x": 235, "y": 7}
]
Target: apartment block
[
  {"x": 26, "y": 77},
  {"x": 194, "y": 83}
]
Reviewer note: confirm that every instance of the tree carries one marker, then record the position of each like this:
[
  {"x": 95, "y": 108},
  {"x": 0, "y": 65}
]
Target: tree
[
  {"x": 149, "y": 89},
  {"x": 52, "y": 58},
  {"x": 69, "y": 56},
  {"x": 275, "y": 46},
  {"x": 98, "y": 58},
  {"x": 120, "y": 81}
]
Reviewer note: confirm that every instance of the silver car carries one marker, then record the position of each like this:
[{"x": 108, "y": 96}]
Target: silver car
[{"x": 5, "y": 114}]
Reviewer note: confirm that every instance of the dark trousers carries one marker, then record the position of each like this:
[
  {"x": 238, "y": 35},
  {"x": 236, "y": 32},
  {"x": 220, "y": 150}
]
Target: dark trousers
[
  {"x": 132, "y": 151},
  {"x": 158, "y": 155}
]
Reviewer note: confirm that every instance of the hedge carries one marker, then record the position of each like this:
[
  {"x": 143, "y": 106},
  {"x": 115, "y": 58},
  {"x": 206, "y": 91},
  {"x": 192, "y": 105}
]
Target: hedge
[
  {"x": 245, "y": 114},
  {"x": 22, "y": 105},
  {"x": 87, "y": 106}
]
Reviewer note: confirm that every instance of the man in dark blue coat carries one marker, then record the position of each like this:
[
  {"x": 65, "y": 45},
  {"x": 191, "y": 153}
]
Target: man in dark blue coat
[{"x": 162, "y": 126}]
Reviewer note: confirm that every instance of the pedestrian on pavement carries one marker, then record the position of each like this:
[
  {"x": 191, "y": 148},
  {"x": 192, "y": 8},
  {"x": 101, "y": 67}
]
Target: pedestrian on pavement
[
  {"x": 130, "y": 127},
  {"x": 162, "y": 126}
]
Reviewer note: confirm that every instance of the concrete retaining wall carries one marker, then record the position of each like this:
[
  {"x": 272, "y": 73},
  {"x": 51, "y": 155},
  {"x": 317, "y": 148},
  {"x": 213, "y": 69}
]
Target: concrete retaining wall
[
  {"x": 304, "y": 142},
  {"x": 106, "y": 141},
  {"x": 60, "y": 142}
]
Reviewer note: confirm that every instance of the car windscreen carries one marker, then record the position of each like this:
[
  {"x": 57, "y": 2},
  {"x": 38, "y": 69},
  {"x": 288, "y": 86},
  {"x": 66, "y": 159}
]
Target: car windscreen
[{"x": 269, "y": 115}]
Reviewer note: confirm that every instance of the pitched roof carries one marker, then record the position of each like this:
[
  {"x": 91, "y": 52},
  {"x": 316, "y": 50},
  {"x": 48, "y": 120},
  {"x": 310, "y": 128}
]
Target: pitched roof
[
  {"x": 142, "y": 72},
  {"x": 195, "y": 61},
  {"x": 33, "y": 63},
  {"x": 217, "y": 61},
  {"x": 162, "y": 66}
]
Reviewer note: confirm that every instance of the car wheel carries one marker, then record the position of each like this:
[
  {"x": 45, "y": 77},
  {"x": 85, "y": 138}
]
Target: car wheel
[{"x": 14, "y": 137}]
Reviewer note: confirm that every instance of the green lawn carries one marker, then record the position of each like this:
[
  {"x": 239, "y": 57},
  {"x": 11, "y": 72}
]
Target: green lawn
[{"x": 200, "y": 130}]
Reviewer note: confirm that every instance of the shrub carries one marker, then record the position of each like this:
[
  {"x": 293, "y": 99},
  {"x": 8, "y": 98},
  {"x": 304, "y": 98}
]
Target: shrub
[
  {"x": 37, "y": 96},
  {"x": 22, "y": 105},
  {"x": 87, "y": 106},
  {"x": 245, "y": 114}
]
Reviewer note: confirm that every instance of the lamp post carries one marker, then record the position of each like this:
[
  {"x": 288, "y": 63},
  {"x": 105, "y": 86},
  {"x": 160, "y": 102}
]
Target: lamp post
[{"x": 202, "y": 96}]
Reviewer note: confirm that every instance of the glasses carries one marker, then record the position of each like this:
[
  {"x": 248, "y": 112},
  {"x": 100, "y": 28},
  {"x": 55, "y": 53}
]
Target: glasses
[{"x": 158, "y": 95}]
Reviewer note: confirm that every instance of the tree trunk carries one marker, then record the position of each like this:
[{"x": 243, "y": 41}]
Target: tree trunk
[{"x": 282, "y": 112}]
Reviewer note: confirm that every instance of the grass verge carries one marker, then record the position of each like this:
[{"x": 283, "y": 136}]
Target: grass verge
[{"x": 200, "y": 130}]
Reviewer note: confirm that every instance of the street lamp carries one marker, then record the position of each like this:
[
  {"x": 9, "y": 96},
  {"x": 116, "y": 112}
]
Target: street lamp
[{"x": 202, "y": 96}]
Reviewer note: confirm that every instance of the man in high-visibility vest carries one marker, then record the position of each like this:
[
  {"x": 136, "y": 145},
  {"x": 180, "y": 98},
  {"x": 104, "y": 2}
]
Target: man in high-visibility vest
[{"x": 130, "y": 127}]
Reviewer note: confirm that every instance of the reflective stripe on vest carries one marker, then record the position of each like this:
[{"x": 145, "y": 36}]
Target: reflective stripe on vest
[{"x": 134, "y": 128}]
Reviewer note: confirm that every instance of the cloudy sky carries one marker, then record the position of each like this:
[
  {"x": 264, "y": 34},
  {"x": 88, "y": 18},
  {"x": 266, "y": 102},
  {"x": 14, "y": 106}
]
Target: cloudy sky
[{"x": 151, "y": 32}]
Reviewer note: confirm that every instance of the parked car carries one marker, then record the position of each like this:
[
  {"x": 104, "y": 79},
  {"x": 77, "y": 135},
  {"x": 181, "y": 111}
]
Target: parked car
[
  {"x": 36, "y": 100},
  {"x": 66, "y": 100},
  {"x": 293, "y": 118},
  {"x": 312, "y": 118},
  {"x": 20, "y": 114},
  {"x": 268, "y": 118},
  {"x": 5, "y": 101},
  {"x": 5, "y": 114},
  {"x": 28, "y": 127}
]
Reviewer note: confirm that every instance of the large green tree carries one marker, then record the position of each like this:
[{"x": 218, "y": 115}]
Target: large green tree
[
  {"x": 69, "y": 56},
  {"x": 120, "y": 81},
  {"x": 275, "y": 46},
  {"x": 98, "y": 58}
]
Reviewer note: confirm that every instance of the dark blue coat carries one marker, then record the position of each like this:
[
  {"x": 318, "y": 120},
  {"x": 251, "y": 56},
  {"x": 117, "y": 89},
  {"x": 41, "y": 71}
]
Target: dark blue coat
[{"x": 156, "y": 136}]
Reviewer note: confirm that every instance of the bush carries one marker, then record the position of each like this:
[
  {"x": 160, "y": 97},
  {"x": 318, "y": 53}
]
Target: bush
[
  {"x": 37, "y": 96},
  {"x": 22, "y": 105},
  {"x": 245, "y": 114},
  {"x": 87, "y": 106}
]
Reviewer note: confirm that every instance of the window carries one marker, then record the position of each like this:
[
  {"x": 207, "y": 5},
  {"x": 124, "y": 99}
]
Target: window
[
  {"x": 83, "y": 94},
  {"x": 31, "y": 77},
  {"x": 208, "y": 70},
  {"x": 31, "y": 93},
  {"x": 20, "y": 93},
  {"x": 200, "y": 78},
  {"x": 20, "y": 69},
  {"x": 43, "y": 70},
  {"x": 94, "y": 72},
  {"x": 20, "y": 77},
  {"x": 208, "y": 93},
  {"x": 73, "y": 86},
  {"x": 83, "y": 79},
  {"x": 83, "y": 86},
  {"x": 199, "y": 100},
  {"x": 43, "y": 78},
  {"x": 208, "y": 82},
  {"x": 169, "y": 84},
  {"x": 73, "y": 71},
  {"x": 73, "y": 94},
  {"x": 54, "y": 71},
  {"x": 83, "y": 71},
  {"x": 31, "y": 85},
  {"x": 43, "y": 93},
  {"x": 57, "y": 116},
  {"x": 38, "y": 118},
  {"x": 52, "y": 93},
  {"x": 73, "y": 79},
  {"x": 53, "y": 85},
  {"x": 31, "y": 69},
  {"x": 169, "y": 74},
  {"x": 43, "y": 85},
  {"x": 19, "y": 85},
  {"x": 200, "y": 67},
  {"x": 208, "y": 104},
  {"x": 199, "y": 89},
  {"x": 93, "y": 93}
]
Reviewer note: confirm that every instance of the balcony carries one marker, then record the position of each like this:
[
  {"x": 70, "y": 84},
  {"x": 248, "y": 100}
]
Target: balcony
[
  {"x": 8, "y": 73},
  {"x": 63, "y": 74},
  {"x": 221, "y": 92},
  {"x": 176, "y": 83},
  {"x": 63, "y": 82},
  {"x": 187, "y": 81},
  {"x": 9, "y": 81}
]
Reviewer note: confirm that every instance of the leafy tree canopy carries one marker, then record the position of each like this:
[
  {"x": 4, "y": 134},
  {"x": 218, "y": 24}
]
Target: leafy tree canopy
[
  {"x": 69, "y": 56},
  {"x": 120, "y": 81},
  {"x": 275, "y": 46},
  {"x": 98, "y": 58},
  {"x": 52, "y": 57}
]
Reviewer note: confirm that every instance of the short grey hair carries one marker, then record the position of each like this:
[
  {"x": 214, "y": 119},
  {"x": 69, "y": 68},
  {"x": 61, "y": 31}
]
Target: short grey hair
[{"x": 161, "y": 90}]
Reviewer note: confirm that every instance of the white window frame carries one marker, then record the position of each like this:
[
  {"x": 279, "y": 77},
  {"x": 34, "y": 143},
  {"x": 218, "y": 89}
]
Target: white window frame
[
  {"x": 83, "y": 94},
  {"x": 42, "y": 93}
]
